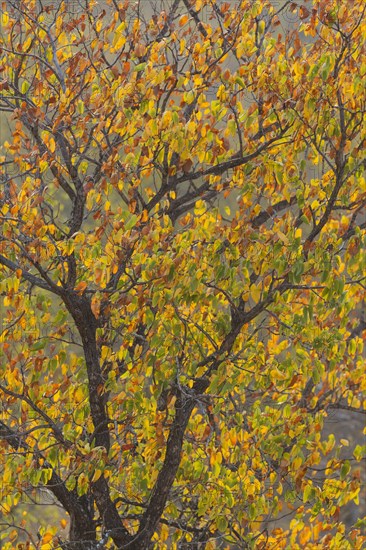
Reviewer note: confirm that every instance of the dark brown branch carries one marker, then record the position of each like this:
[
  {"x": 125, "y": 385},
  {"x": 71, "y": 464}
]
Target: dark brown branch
[
  {"x": 192, "y": 12},
  {"x": 234, "y": 162},
  {"x": 263, "y": 217},
  {"x": 184, "y": 405},
  {"x": 183, "y": 408},
  {"x": 36, "y": 281},
  {"x": 81, "y": 522},
  {"x": 53, "y": 427},
  {"x": 80, "y": 309}
]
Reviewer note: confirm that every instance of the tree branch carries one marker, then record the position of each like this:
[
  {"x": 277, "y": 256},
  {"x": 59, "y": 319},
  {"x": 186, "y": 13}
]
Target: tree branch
[{"x": 36, "y": 281}]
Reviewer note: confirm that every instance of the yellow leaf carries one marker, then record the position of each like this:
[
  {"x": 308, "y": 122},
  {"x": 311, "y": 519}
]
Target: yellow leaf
[
  {"x": 105, "y": 351},
  {"x": 51, "y": 145},
  {"x": 297, "y": 463},
  {"x": 283, "y": 237},
  {"x": 97, "y": 475},
  {"x": 255, "y": 293},
  {"x": 79, "y": 238},
  {"x": 4, "y": 18},
  {"x": 78, "y": 394},
  {"x": 276, "y": 374},
  {"x": 198, "y": 5},
  {"x": 120, "y": 43},
  {"x": 43, "y": 165},
  {"x": 200, "y": 208},
  {"x": 47, "y": 537},
  {"x": 182, "y": 45}
]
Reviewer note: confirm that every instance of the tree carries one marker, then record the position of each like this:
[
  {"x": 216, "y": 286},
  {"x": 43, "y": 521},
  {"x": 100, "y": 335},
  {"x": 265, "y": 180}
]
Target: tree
[{"x": 182, "y": 270}]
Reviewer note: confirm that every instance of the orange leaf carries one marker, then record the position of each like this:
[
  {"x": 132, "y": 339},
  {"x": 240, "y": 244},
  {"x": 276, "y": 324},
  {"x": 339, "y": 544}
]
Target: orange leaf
[
  {"x": 47, "y": 537},
  {"x": 80, "y": 287}
]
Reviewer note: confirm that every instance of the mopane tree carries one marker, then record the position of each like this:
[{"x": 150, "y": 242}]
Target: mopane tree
[{"x": 182, "y": 271}]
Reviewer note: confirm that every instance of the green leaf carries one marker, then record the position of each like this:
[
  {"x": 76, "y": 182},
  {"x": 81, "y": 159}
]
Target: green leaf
[
  {"x": 131, "y": 222},
  {"x": 309, "y": 493},
  {"x": 222, "y": 523},
  {"x": 38, "y": 345},
  {"x": 24, "y": 87},
  {"x": 140, "y": 67}
]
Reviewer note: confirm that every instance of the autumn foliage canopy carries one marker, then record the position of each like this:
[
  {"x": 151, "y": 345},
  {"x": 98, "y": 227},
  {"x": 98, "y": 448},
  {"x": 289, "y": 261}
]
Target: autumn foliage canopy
[{"x": 182, "y": 272}]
